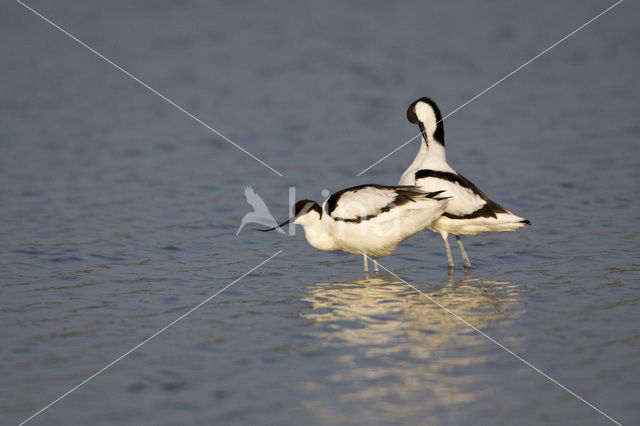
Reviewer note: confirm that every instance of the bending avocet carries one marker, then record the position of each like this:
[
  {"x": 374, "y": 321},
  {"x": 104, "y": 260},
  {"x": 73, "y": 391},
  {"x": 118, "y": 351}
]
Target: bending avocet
[
  {"x": 370, "y": 220},
  {"x": 469, "y": 210}
]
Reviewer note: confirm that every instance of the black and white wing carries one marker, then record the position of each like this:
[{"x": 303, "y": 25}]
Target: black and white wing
[
  {"x": 366, "y": 202},
  {"x": 467, "y": 201}
]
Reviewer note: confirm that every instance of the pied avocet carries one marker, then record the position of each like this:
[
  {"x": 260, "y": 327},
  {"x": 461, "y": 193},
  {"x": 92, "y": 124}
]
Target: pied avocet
[
  {"x": 469, "y": 210},
  {"x": 370, "y": 220}
]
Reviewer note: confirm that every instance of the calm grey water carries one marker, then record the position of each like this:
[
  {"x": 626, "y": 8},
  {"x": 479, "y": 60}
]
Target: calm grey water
[{"x": 118, "y": 214}]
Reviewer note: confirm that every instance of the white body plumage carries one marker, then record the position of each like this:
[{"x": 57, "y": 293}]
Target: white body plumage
[
  {"x": 370, "y": 220},
  {"x": 360, "y": 224}
]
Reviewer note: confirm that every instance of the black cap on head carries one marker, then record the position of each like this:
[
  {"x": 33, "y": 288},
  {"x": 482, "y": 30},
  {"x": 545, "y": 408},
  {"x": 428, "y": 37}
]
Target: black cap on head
[
  {"x": 304, "y": 206},
  {"x": 413, "y": 117}
]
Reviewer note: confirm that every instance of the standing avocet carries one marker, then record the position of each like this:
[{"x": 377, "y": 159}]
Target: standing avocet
[
  {"x": 370, "y": 220},
  {"x": 469, "y": 211}
]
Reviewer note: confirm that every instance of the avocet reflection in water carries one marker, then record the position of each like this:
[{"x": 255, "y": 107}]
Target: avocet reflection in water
[{"x": 383, "y": 331}]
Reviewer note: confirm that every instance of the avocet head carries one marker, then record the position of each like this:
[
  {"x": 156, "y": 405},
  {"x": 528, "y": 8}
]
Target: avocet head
[
  {"x": 426, "y": 114},
  {"x": 304, "y": 212}
]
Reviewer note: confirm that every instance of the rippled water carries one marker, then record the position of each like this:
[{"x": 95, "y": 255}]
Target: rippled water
[{"x": 118, "y": 214}]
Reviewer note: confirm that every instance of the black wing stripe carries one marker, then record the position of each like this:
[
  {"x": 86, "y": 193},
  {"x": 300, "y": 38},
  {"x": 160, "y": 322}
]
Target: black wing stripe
[
  {"x": 489, "y": 210},
  {"x": 332, "y": 202},
  {"x": 357, "y": 219},
  {"x": 404, "y": 195},
  {"x": 453, "y": 178}
]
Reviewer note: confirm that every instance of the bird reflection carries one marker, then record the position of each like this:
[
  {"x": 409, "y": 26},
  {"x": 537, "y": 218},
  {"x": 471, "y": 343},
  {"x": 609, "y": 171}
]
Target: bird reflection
[
  {"x": 385, "y": 331},
  {"x": 385, "y": 302}
]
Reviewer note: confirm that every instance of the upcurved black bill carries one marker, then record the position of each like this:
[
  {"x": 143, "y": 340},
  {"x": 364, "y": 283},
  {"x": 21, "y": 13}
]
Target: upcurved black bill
[
  {"x": 423, "y": 130},
  {"x": 275, "y": 227}
]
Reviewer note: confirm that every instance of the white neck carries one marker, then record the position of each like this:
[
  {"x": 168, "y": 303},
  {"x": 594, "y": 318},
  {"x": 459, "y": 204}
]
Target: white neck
[
  {"x": 315, "y": 231},
  {"x": 433, "y": 155},
  {"x": 430, "y": 157}
]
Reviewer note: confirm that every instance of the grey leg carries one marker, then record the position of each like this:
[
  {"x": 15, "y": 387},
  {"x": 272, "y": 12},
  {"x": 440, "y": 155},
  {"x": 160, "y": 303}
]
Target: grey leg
[
  {"x": 375, "y": 265},
  {"x": 366, "y": 264},
  {"x": 445, "y": 237},
  {"x": 467, "y": 263}
]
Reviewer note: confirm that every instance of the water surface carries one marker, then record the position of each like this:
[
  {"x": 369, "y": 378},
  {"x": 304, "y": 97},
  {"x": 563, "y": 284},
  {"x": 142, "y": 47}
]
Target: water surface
[{"x": 118, "y": 214}]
